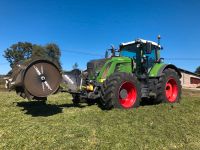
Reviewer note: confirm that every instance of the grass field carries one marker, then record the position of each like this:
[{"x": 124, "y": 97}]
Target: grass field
[
  {"x": 2, "y": 84},
  {"x": 59, "y": 125}
]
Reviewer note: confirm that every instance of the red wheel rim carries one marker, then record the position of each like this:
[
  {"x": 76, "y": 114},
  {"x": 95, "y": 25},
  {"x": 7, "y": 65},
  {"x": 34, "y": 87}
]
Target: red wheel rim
[
  {"x": 171, "y": 90},
  {"x": 127, "y": 94}
]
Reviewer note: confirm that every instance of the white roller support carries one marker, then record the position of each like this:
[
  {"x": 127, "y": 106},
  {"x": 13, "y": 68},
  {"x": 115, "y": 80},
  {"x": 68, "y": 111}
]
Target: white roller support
[
  {"x": 80, "y": 87},
  {"x": 47, "y": 85},
  {"x": 6, "y": 84},
  {"x": 67, "y": 78}
]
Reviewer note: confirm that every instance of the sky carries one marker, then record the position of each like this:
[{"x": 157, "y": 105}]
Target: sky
[{"x": 84, "y": 29}]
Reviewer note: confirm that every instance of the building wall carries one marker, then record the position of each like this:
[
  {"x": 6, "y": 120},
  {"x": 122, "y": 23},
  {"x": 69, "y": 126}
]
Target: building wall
[{"x": 187, "y": 78}]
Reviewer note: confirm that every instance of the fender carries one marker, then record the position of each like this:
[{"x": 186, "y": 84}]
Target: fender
[{"x": 166, "y": 66}]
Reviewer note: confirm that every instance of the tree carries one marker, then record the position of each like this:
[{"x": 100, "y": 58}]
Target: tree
[
  {"x": 28, "y": 51},
  {"x": 18, "y": 52},
  {"x": 53, "y": 52},
  {"x": 38, "y": 52},
  {"x": 75, "y": 66},
  {"x": 50, "y": 52},
  {"x": 198, "y": 70}
]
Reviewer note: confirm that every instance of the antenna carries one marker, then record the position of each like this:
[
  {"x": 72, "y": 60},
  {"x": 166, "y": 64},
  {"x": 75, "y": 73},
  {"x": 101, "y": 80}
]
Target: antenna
[{"x": 159, "y": 37}]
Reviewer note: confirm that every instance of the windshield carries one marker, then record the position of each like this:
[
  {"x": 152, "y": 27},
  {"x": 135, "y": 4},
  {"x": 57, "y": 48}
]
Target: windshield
[
  {"x": 129, "y": 51},
  {"x": 151, "y": 57}
]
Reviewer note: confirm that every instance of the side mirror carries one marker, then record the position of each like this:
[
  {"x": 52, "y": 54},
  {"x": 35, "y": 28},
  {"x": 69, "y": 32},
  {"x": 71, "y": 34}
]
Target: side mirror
[{"x": 148, "y": 48}]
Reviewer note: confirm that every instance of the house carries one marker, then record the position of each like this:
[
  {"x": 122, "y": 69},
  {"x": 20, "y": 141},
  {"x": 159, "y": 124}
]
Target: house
[{"x": 190, "y": 79}]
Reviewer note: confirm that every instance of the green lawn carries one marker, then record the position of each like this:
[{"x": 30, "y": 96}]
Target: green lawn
[
  {"x": 59, "y": 125},
  {"x": 2, "y": 84}
]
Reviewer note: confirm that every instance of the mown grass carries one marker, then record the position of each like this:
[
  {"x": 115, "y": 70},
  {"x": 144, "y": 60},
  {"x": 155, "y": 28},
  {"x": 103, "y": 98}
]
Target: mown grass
[
  {"x": 59, "y": 125},
  {"x": 2, "y": 84}
]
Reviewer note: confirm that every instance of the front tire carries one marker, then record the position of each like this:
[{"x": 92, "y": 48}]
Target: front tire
[{"x": 121, "y": 90}]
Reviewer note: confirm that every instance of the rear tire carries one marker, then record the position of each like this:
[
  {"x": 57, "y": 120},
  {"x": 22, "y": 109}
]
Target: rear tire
[
  {"x": 121, "y": 90},
  {"x": 169, "y": 87}
]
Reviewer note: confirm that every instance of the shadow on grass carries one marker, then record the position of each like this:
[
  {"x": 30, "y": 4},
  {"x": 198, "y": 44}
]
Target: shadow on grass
[
  {"x": 71, "y": 105},
  {"x": 147, "y": 102},
  {"x": 40, "y": 108}
]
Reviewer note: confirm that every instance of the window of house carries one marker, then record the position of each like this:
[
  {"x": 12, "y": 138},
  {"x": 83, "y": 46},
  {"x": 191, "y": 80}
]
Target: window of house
[{"x": 194, "y": 80}]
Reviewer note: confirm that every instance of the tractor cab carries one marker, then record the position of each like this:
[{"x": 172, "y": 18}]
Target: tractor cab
[{"x": 144, "y": 53}]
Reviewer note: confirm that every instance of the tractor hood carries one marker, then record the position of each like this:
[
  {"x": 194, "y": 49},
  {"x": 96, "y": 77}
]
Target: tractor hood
[{"x": 116, "y": 64}]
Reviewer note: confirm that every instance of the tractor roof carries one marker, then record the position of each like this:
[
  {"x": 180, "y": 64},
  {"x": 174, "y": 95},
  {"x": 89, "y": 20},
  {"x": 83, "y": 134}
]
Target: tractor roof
[{"x": 140, "y": 41}]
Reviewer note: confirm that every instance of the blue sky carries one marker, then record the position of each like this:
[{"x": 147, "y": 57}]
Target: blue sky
[{"x": 91, "y": 26}]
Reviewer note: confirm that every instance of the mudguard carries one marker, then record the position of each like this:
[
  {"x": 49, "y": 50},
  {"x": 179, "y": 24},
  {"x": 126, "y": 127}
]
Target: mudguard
[{"x": 166, "y": 66}]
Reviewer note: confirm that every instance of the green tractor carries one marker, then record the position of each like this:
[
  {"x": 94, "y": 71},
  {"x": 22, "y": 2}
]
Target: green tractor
[{"x": 133, "y": 72}]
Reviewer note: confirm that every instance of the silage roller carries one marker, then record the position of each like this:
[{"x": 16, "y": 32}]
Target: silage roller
[{"x": 36, "y": 79}]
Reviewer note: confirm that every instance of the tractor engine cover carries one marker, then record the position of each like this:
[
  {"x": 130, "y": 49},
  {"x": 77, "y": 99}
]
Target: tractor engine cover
[{"x": 36, "y": 79}]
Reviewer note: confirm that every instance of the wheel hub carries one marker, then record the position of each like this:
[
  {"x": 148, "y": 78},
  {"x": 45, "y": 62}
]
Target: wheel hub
[
  {"x": 127, "y": 94},
  {"x": 171, "y": 90},
  {"x": 123, "y": 94},
  {"x": 43, "y": 78}
]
